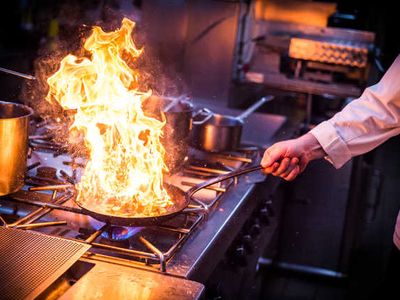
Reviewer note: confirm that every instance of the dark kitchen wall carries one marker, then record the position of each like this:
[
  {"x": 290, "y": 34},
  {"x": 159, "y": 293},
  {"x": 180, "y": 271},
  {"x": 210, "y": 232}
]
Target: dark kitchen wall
[
  {"x": 189, "y": 45},
  {"x": 195, "y": 42},
  {"x": 17, "y": 46},
  {"x": 210, "y": 46},
  {"x": 32, "y": 29},
  {"x": 380, "y": 17}
]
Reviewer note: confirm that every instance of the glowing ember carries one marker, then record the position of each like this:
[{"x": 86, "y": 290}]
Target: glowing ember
[{"x": 124, "y": 174}]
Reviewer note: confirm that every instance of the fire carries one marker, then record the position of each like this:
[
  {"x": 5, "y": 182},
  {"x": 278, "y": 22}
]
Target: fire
[{"x": 124, "y": 173}]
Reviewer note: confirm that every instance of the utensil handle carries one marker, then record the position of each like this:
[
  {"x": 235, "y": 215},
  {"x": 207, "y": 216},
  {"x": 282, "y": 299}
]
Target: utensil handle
[
  {"x": 254, "y": 107},
  {"x": 219, "y": 179},
  {"x": 15, "y": 73},
  {"x": 171, "y": 104},
  {"x": 204, "y": 111}
]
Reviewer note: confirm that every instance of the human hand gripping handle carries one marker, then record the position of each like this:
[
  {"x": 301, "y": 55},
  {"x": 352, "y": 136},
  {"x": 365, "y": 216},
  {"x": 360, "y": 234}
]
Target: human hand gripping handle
[{"x": 287, "y": 159}]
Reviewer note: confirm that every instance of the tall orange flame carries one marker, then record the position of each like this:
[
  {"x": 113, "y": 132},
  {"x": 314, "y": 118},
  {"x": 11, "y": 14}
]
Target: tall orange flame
[{"x": 124, "y": 174}]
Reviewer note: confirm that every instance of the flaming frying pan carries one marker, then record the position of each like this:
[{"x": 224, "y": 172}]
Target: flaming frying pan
[
  {"x": 180, "y": 203},
  {"x": 180, "y": 198}
]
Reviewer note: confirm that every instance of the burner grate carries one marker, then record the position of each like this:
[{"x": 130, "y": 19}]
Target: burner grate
[{"x": 151, "y": 247}]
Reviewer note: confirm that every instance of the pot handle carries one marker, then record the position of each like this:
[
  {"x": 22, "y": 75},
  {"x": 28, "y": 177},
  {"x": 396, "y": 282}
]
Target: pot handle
[
  {"x": 254, "y": 107},
  {"x": 204, "y": 111}
]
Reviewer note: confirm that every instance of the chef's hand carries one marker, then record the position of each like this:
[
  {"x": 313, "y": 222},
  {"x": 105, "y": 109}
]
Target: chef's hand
[{"x": 289, "y": 158}]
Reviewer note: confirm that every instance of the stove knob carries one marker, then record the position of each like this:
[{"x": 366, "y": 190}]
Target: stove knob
[
  {"x": 248, "y": 243},
  {"x": 240, "y": 255},
  {"x": 264, "y": 215},
  {"x": 255, "y": 230}
]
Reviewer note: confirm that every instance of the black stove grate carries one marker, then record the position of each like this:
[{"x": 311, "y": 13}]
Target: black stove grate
[{"x": 151, "y": 247}]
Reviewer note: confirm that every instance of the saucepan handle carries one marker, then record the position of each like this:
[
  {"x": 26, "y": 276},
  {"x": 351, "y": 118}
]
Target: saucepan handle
[
  {"x": 206, "y": 113},
  {"x": 254, "y": 107}
]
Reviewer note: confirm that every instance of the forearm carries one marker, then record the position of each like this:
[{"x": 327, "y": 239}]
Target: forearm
[{"x": 312, "y": 148}]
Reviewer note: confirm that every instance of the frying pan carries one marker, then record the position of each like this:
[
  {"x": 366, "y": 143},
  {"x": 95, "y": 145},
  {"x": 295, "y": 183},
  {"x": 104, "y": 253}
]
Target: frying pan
[
  {"x": 180, "y": 203},
  {"x": 180, "y": 198}
]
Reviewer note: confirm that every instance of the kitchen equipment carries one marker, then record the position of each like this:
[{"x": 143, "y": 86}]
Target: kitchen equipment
[
  {"x": 178, "y": 115},
  {"x": 215, "y": 132},
  {"x": 14, "y": 121},
  {"x": 190, "y": 245},
  {"x": 180, "y": 203},
  {"x": 19, "y": 74}
]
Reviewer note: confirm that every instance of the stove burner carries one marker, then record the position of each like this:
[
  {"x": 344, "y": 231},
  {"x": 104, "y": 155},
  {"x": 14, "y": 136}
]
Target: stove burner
[
  {"x": 46, "y": 172},
  {"x": 119, "y": 233},
  {"x": 114, "y": 232}
]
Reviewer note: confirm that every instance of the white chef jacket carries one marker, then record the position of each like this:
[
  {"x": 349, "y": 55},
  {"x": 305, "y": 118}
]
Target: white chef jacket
[{"x": 364, "y": 124}]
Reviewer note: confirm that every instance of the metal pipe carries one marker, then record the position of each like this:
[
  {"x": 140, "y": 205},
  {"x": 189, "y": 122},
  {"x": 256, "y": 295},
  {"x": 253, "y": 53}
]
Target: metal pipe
[
  {"x": 54, "y": 182},
  {"x": 139, "y": 254},
  {"x": 179, "y": 230},
  {"x": 40, "y": 137},
  {"x": 51, "y": 205},
  {"x": 51, "y": 187},
  {"x": 196, "y": 173},
  {"x": 41, "y": 224},
  {"x": 32, "y": 166},
  {"x": 3, "y": 221},
  {"x": 156, "y": 251},
  {"x": 212, "y": 188},
  {"x": 19, "y": 74},
  {"x": 73, "y": 164},
  {"x": 67, "y": 177},
  {"x": 39, "y": 213},
  {"x": 208, "y": 170},
  {"x": 232, "y": 157},
  {"x": 301, "y": 269},
  {"x": 94, "y": 236}
]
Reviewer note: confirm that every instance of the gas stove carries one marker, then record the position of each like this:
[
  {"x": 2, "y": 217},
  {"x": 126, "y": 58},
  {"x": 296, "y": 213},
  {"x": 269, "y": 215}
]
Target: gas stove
[
  {"x": 46, "y": 205},
  {"x": 221, "y": 227}
]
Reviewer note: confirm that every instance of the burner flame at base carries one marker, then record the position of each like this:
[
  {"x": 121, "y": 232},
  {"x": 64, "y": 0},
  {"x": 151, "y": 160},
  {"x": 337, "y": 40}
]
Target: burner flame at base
[
  {"x": 114, "y": 232},
  {"x": 119, "y": 233}
]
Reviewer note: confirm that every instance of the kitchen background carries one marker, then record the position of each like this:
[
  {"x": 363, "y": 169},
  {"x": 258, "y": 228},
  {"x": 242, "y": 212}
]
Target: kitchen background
[{"x": 335, "y": 226}]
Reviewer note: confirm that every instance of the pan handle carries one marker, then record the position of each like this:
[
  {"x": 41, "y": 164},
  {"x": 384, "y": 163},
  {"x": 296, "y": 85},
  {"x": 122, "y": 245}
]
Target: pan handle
[
  {"x": 219, "y": 179},
  {"x": 254, "y": 107},
  {"x": 204, "y": 111}
]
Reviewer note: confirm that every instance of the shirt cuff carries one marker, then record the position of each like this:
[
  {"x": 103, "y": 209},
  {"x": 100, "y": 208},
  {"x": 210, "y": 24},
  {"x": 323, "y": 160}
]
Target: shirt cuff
[{"x": 336, "y": 149}]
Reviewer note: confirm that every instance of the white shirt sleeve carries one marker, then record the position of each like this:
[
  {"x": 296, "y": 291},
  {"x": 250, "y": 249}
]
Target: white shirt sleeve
[{"x": 364, "y": 123}]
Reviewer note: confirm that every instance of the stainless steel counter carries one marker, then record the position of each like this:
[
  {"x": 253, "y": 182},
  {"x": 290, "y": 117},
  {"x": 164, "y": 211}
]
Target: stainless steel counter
[{"x": 111, "y": 281}]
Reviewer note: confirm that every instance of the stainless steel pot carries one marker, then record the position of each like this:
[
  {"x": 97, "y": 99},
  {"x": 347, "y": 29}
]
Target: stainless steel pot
[
  {"x": 215, "y": 132},
  {"x": 14, "y": 122},
  {"x": 178, "y": 114}
]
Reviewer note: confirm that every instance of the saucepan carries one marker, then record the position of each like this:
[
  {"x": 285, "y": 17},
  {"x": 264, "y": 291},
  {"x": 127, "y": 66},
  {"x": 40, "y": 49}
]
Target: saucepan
[
  {"x": 14, "y": 123},
  {"x": 216, "y": 133},
  {"x": 180, "y": 198},
  {"x": 178, "y": 123}
]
